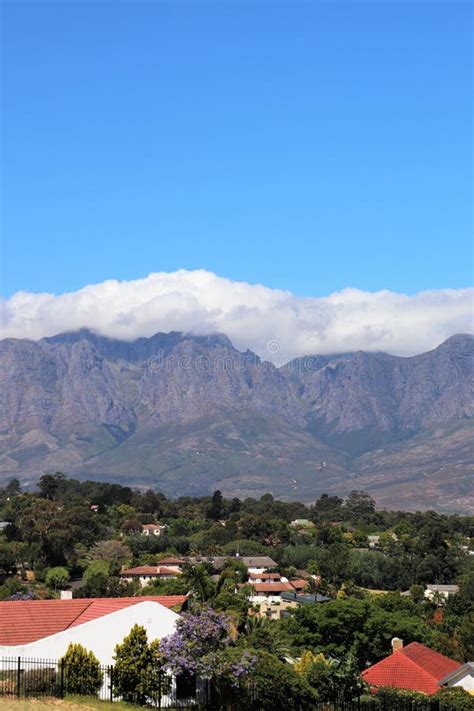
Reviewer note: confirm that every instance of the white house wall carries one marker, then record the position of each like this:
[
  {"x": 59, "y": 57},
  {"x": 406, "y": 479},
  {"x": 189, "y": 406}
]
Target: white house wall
[
  {"x": 466, "y": 682},
  {"x": 101, "y": 635}
]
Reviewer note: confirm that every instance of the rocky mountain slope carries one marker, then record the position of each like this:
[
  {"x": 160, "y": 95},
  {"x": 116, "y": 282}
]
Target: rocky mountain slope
[{"x": 188, "y": 414}]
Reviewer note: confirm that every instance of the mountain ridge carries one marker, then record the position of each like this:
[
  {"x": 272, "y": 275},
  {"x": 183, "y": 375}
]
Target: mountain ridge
[{"x": 138, "y": 411}]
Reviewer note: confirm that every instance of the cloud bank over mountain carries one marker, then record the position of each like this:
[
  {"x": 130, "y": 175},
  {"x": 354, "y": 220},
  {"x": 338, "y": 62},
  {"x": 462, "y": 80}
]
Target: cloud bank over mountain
[{"x": 276, "y": 324}]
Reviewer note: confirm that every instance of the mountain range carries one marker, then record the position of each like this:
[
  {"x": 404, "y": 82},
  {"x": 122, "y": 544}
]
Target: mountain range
[{"x": 188, "y": 414}]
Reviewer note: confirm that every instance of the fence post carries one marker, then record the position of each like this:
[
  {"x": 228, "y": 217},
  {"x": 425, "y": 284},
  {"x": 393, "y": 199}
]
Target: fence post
[
  {"x": 61, "y": 678},
  {"x": 18, "y": 677},
  {"x": 111, "y": 685}
]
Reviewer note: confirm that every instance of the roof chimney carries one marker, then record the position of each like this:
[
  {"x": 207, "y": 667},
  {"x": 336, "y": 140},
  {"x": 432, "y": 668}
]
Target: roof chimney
[
  {"x": 397, "y": 644},
  {"x": 66, "y": 594}
]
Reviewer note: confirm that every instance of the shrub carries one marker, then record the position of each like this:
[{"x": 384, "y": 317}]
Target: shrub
[
  {"x": 39, "y": 681},
  {"x": 390, "y": 697},
  {"x": 81, "y": 670},
  {"x": 139, "y": 674},
  {"x": 455, "y": 698},
  {"x": 133, "y": 658},
  {"x": 278, "y": 686}
]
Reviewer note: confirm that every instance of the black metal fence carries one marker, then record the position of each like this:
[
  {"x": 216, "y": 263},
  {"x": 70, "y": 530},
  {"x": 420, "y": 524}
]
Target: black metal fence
[
  {"x": 373, "y": 704},
  {"x": 24, "y": 677}
]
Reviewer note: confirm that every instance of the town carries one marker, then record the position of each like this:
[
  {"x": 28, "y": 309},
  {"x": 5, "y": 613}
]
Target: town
[{"x": 332, "y": 603}]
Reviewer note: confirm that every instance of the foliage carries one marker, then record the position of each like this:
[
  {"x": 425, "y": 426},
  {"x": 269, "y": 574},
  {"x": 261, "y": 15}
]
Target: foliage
[
  {"x": 133, "y": 658},
  {"x": 262, "y": 633},
  {"x": 390, "y": 697},
  {"x": 194, "y": 647},
  {"x": 278, "y": 686},
  {"x": 455, "y": 698},
  {"x": 198, "y": 580},
  {"x": 112, "y": 551},
  {"x": 81, "y": 669},
  {"x": 363, "y": 627},
  {"x": 57, "y": 578},
  {"x": 39, "y": 681},
  {"x": 140, "y": 669}
]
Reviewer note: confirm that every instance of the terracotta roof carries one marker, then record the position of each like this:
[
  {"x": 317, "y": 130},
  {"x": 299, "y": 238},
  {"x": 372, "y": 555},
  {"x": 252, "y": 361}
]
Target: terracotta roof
[
  {"x": 265, "y": 576},
  {"x": 25, "y": 621},
  {"x": 414, "y": 667},
  {"x": 272, "y": 587},
  {"x": 150, "y": 570},
  {"x": 299, "y": 584}
]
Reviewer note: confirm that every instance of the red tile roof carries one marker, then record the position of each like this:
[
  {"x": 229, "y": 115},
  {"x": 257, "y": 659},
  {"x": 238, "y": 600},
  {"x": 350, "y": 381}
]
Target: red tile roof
[
  {"x": 272, "y": 587},
  {"x": 414, "y": 667},
  {"x": 25, "y": 621},
  {"x": 265, "y": 576},
  {"x": 299, "y": 584},
  {"x": 150, "y": 570}
]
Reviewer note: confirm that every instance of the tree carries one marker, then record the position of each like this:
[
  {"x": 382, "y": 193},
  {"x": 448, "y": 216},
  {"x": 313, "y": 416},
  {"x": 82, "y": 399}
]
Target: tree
[
  {"x": 114, "y": 552},
  {"x": 81, "y": 670},
  {"x": 96, "y": 576},
  {"x": 333, "y": 562},
  {"x": 322, "y": 675},
  {"x": 216, "y": 508},
  {"x": 133, "y": 658},
  {"x": 199, "y": 580},
  {"x": 7, "y": 558},
  {"x": 194, "y": 647},
  {"x": 57, "y": 578},
  {"x": 359, "y": 505},
  {"x": 262, "y": 633},
  {"x": 13, "y": 488},
  {"x": 50, "y": 485},
  {"x": 326, "y": 508},
  {"x": 278, "y": 686}
]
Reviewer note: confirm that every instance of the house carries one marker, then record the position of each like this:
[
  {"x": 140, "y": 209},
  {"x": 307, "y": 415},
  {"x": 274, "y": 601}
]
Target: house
[
  {"x": 299, "y": 584},
  {"x": 440, "y": 591},
  {"x": 264, "y": 577},
  {"x": 414, "y": 667},
  {"x": 463, "y": 677},
  {"x": 43, "y": 629},
  {"x": 373, "y": 541},
  {"x": 172, "y": 563},
  {"x": 145, "y": 573},
  {"x": 258, "y": 564},
  {"x": 152, "y": 529},
  {"x": 302, "y": 523},
  {"x": 254, "y": 564},
  {"x": 269, "y": 591}
]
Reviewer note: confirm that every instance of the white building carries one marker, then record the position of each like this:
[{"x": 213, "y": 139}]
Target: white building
[
  {"x": 463, "y": 677},
  {"x": 44, "y": 629},
  {"x": 146, "y": 573},
  {"x": 152, "y": 529},
  {"x": 445, "y": 591}
]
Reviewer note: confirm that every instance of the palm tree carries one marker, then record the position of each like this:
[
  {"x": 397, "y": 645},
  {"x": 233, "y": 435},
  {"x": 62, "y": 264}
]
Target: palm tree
[
  {"x": 263, "y": 633},
  {"x": 199, "y": 581}
]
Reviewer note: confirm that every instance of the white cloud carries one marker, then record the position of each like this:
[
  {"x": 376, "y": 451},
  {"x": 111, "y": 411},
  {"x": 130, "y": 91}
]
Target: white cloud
[{"x": 276, "y": 324}]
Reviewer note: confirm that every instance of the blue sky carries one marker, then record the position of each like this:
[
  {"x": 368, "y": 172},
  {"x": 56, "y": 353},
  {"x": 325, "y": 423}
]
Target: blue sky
[{"x": 306, "y": 146}]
